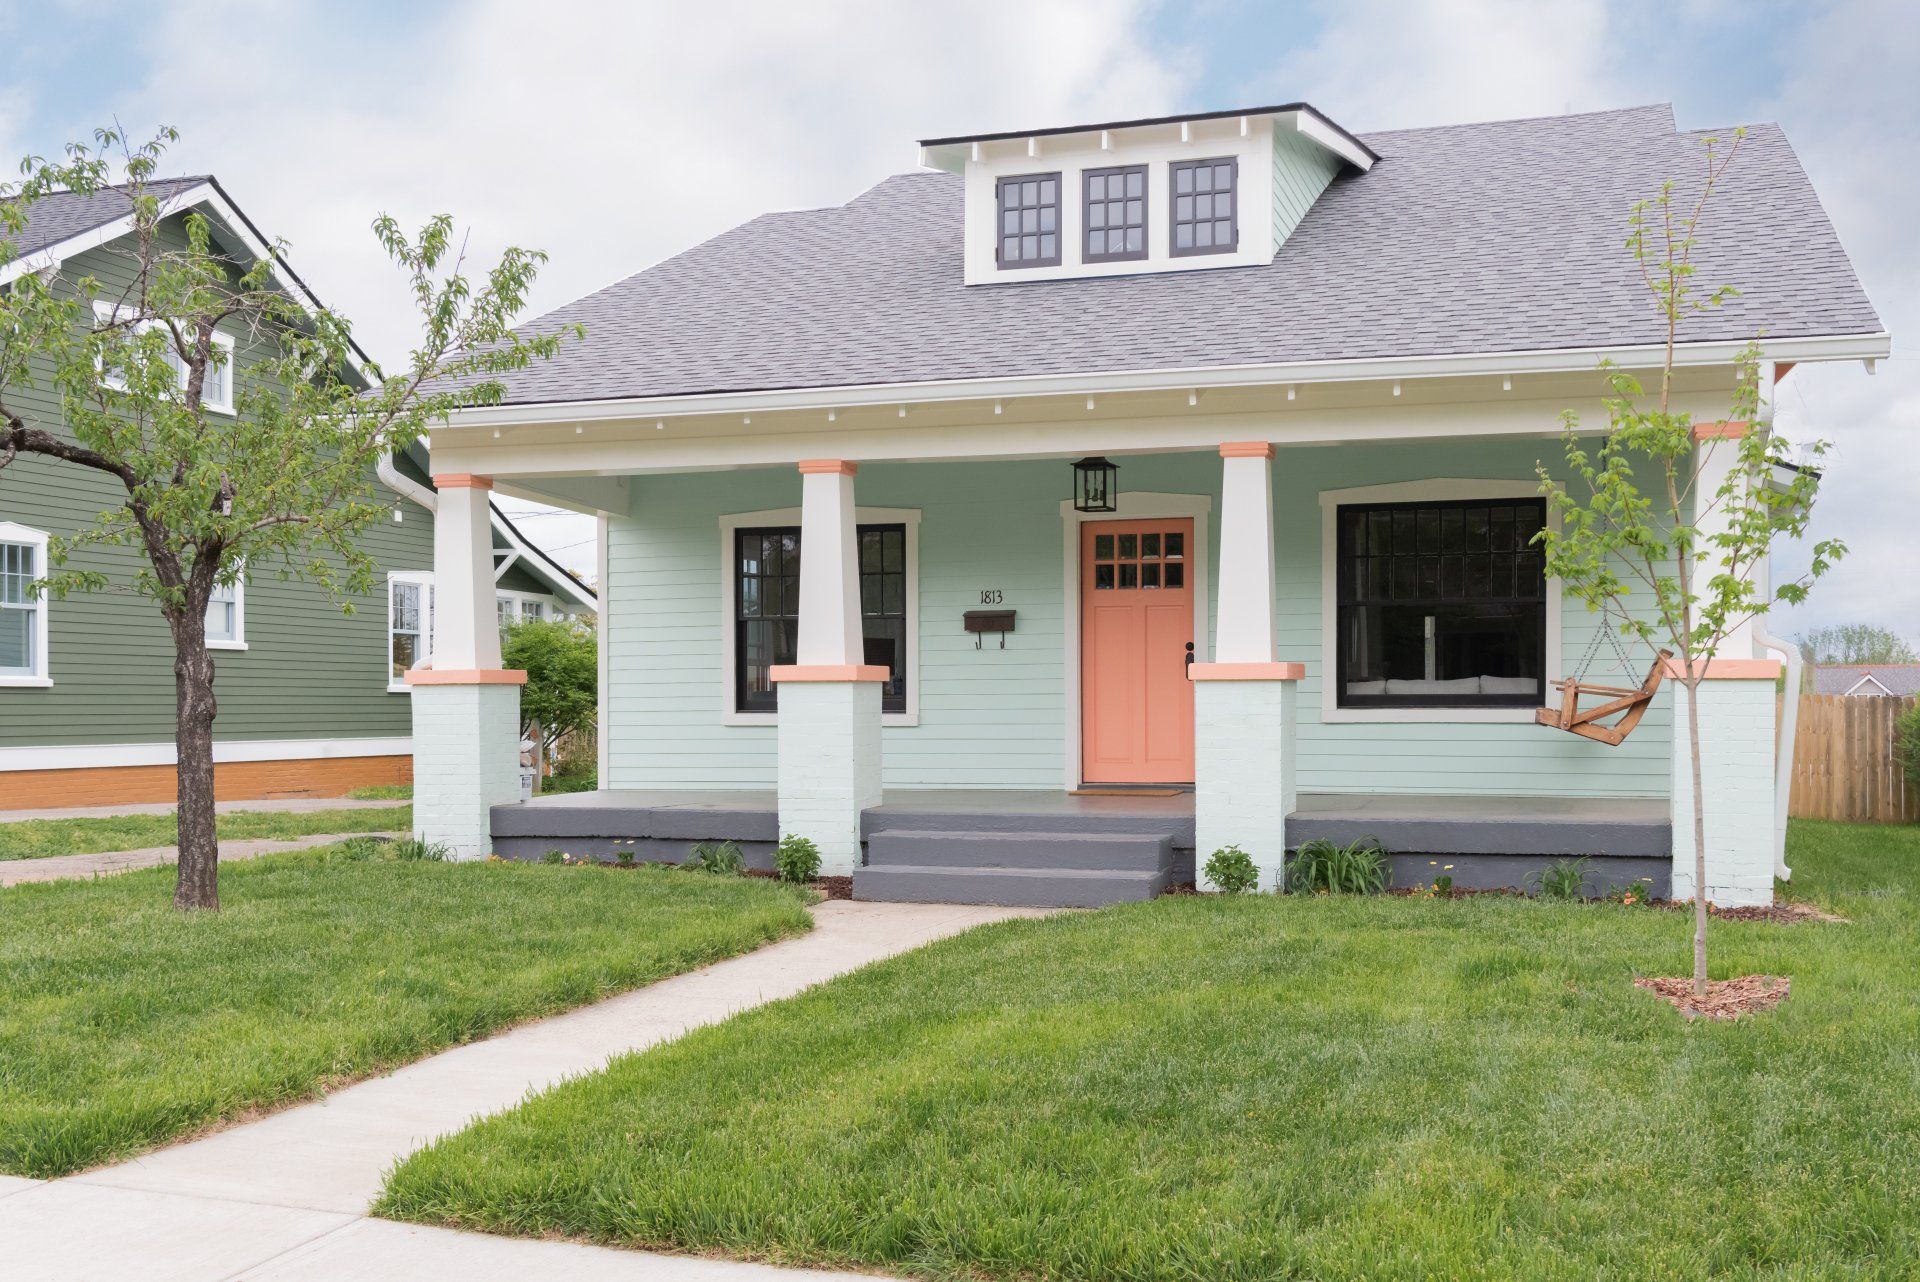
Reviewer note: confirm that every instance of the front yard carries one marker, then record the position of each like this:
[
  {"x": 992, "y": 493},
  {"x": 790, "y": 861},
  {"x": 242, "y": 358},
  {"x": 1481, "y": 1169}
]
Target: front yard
[
  {"x": 43, "y": 838},
  {"x": 124, "y": 1024},
  {"x": 1264, "y": 1088}
]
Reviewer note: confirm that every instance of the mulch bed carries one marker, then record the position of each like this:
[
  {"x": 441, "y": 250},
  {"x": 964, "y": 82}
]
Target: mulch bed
[
  {"x": 1725, "y": 999},
  {"x": 1781, "y": 914},
  {"x": 829, "y": 887}
]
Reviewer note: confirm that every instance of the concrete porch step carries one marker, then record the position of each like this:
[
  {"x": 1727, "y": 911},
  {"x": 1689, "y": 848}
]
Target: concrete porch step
[
  {"x": 1120, "y": 852},
  {"x": 1007, "y": 887}
]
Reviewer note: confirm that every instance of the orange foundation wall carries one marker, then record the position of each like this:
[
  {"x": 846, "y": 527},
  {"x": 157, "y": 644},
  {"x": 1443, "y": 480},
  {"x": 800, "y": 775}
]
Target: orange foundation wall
[{"x": 232, "y": 781}]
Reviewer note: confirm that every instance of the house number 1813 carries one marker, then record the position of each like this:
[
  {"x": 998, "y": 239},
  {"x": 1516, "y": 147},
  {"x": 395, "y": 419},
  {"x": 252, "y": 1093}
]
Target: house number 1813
[{"x": 990, "y": 596}]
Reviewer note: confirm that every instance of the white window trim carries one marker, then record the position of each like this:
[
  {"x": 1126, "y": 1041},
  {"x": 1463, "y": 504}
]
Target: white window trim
[
  {"x": 520, "y": 600},
  {"x": 105, "y": 311},
  {"x": 736, "y": 521},
  {"x": 239, "y": 641},
  {"x": 1430, "y": 491},
  {"x": 422, "y": 578},
  {"x": 41, "y": 677},
  {"x": 1136, "y": 506}
]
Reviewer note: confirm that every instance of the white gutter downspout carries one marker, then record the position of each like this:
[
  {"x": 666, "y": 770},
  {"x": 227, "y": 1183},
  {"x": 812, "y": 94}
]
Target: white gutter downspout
[
  {"x": 405, "y": 486},
  {"x": 1789, "y": 723}
]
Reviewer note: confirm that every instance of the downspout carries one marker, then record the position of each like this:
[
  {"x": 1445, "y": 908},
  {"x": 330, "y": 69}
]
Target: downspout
[
  {"x": 405, "y": 486},
  {"x": 1783, "y": 764}
]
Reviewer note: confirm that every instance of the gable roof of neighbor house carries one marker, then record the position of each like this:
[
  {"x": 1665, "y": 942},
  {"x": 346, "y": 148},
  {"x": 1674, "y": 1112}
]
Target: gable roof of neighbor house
[
  {"x": 1463, "y": 239},
  {"x": 1901, "y": 680}
]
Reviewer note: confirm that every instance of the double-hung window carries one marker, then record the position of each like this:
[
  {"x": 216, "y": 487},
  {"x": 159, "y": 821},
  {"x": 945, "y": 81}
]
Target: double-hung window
[
  {"x": 1115, "y": 206},
  {"x": 226, "y": 617},
  {"x": 767, "y": 609},
  {"x": 1205, "y": 197},
  {"x": 1029, "y": 226},
  {"x": 23, "y": 615},
  {"x": 409, "y": 625},
  {"x": 1441, "y": 604},
  {"x": 216, "y": 388}
]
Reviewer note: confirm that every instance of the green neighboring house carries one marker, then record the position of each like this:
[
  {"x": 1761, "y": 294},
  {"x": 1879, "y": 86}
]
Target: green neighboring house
[{"x": 312, "y": 698}]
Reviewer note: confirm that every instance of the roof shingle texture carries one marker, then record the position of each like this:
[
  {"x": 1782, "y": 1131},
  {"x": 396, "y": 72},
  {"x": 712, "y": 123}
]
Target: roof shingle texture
[
  {"x": 62, "y": 215},
  {"x": 1472, "y": 238},
  {"x": 1902, "y": 679}
]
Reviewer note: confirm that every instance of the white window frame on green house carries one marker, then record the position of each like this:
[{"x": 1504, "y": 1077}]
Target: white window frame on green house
[
  {"x": 234, "y": 596},
  {"x": 512, "y": 607},
  {"x": 36, "y": 674},
  {"x": 423, "y": 649},
  {"x": 732, "y": 524},
  {"x": 216, "y": 391},
  {"x": 1427, "y": 491}
]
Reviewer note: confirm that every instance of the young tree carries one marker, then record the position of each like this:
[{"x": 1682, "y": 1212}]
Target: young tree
[
  {"x": 287, "y": 481},
  {"x": 1693, "y": 539},
  {"x": 562, "y": 694}
]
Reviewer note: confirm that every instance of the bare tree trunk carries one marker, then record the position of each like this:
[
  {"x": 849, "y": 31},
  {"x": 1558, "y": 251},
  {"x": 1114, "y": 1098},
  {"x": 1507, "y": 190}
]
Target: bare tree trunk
[
  {"x": 198, "y": 883},
  {"x": 1699, "y": 842}
]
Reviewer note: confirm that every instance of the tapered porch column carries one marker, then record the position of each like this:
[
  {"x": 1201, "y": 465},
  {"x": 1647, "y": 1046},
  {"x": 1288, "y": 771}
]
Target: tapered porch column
[
  {"x": 1737, "y": 702},
  {"x": 466, "y": 709},
  {"x": 829, "y": 712},
  {"x": 1717, "y": 450},
  {"x": 1243, "y": 702}
]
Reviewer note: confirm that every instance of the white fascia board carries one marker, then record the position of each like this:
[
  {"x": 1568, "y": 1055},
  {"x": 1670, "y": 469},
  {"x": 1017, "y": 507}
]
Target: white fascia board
[
  {"x": 1316, "y": 128},
  {"x": 1547, "y": 361}
]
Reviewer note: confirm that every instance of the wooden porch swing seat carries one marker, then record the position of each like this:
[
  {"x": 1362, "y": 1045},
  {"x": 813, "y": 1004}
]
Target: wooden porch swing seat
[{"x": 1632, "y": 704}]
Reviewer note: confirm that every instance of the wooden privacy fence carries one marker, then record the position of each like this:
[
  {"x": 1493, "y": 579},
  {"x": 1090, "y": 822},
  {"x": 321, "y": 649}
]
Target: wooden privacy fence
[{"x": 1843, "y": 766}]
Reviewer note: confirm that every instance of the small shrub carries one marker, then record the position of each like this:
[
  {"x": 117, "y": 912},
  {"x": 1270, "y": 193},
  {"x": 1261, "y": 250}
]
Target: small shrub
[
  {"x": 1906, "y": 743},
  {"x": 554, "y": 857},
  {"x": 1563, "y": 879},
  {"x": 356, "y": 850},
  {"x": 624, "y": 857},
  {"x": 797, "y": 860},
  {"x": 721, "y": 857},
  {"x": 1231, "y": 869},
  {"x": 413, "y": 849},
  {"x": 1323, "y": 867},
  {"x": 1638, "y": 892}
]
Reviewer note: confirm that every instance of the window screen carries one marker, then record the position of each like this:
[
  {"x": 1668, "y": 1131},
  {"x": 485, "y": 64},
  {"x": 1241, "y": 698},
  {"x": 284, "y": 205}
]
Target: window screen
[
  {"x": 1441, "y": 605},
  {"x": 1029, "y": 221},
  {"x": 1115, "y": 201},
  {"x": 1205, "y": 220},
  {"x": 767, "y": 610}
]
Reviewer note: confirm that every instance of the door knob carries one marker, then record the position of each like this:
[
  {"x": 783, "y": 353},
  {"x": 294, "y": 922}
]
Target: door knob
[{"x": 1189, "y": 654}]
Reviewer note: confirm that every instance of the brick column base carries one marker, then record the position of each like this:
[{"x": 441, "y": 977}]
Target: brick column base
[
  {"x": 1243, "y": 765},
  {"x": 1737, "y": 778},
  {"x": 466, "y": 760},
  {"x": 829, "y": 769}
]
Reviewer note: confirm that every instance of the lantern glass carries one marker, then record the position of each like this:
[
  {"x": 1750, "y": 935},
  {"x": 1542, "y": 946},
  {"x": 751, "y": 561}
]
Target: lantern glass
[{"x": 1095, "y": 484}]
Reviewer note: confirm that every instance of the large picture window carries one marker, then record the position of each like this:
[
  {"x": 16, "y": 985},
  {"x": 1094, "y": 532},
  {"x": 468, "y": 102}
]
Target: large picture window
[
  {"x": 1441, "y": 604},
  {"x": 767, "y": 609}
]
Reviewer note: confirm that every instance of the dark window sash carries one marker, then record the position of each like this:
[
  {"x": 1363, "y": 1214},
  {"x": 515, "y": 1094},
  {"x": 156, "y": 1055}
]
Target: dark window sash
[{"x": 766, "y": 607}]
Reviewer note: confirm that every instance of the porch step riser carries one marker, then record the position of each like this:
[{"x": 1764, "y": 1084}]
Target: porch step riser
[
  {"x": 1126, "y": 852},
  {"x": 1006, "y": 887},
  {"x": 1023, "y": 822}
]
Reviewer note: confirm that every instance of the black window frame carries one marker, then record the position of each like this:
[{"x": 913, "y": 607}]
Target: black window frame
[
  {"x": 893, "y": 696},
  {"x": 1106, "y": 202},
  {"x": 1175, "y": 222},
  {"x": 1039, "y": 206},
  {"x": 1349, "y": 596}
]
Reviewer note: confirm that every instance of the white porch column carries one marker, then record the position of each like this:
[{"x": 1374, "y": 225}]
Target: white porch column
[
  {"x": 1243, "y": 702},
  {"x": 829, "y": 713},
  {"x": 1717, "y": 447},
  {"x": 466, "y": 709},
  {"x": 1737, "y": 780}
]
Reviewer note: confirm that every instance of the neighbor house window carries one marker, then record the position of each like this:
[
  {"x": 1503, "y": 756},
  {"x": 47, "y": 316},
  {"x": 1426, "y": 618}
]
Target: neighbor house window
[
  {"x": 767, "y": 609},
  {"x": 1441, "y": 604},
  {"x": 409, "y": 625},
  {"x": 514, "y": 608},
  {"x": 216, "y": 389},
  {"x": 1205, "y": 220},
  {"x": 226, "y": 620},
  {"x": 1029, "y": 227},
  {"x": 23, "y": 616},
  {"x": 1115, "y": 201}
]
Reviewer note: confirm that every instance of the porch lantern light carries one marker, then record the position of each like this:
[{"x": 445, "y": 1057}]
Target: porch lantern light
[{"x": 1094, "y": 485}]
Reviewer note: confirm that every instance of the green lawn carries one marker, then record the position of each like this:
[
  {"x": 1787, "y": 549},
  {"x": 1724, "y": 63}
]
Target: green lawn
[
  {"x": 124, "y": 1024},
  {"x": 1261, "y": 1088},
  {"x": 40, "y": 838}
]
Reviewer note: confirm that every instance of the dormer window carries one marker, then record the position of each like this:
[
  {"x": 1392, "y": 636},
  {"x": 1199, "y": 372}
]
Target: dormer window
[
  {"x": 1116, "y": 213},
  {"x": 1205, "y": 206},
  {"x": 1030, "y": 220}
]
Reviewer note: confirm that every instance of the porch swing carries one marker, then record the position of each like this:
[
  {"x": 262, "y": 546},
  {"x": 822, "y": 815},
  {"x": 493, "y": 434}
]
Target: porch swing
[{"x": 1629, "y": 703}]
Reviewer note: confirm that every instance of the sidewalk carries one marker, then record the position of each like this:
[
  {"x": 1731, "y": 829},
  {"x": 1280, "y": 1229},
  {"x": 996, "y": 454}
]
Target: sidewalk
[
  {"x": 284, "y": 1197},
  {"x": 290, "y": 805},
  {"x": 14, "y": 872}
]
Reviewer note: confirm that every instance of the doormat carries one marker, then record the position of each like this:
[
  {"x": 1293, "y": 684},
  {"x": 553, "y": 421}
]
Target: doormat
[{"x": 1129, "y": 792}]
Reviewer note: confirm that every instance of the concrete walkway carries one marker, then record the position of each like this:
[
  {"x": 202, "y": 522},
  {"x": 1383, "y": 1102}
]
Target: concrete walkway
[
  {"x": 284, "y": 1197},
  {"x": 14, "y": 872},
  {"x": 286, "y": 805}
]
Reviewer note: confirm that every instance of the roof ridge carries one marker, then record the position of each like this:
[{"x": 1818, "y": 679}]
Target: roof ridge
[{"x": 1528, "y": 120}]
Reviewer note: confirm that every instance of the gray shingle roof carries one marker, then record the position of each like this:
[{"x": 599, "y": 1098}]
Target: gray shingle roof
[
  {"x": 62, "y": 215},
  {"x": 1902, "y": 679},
  {"x": 1470, "y": 238}
]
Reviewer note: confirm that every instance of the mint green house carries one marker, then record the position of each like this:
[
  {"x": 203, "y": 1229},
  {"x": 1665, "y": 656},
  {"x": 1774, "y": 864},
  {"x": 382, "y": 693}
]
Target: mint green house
[
  {"x": 313, "y": 701},
  {"x": 1102, "y": 495}
]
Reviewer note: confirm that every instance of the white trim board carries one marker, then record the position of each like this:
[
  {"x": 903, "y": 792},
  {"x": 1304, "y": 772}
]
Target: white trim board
[
  {"x": 1131, "y": 506},
  {"x": 1437, "y": 491},
  {"x": 87, "y": 756},
  {"x": 41, "y": 677},
  {"x": 736, "y": 521}
]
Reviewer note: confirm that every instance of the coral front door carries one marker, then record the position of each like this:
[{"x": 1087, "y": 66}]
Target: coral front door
[{"x": 1136, "y": 631}]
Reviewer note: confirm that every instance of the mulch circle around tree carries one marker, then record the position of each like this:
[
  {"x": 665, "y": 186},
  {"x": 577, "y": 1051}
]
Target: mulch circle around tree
[
  {"x": 1781, "y": 914},
  {"x": 1725, "y": 999}
]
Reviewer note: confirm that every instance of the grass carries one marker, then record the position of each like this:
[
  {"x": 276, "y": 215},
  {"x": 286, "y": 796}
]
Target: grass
[
  {"x": 1259, "y": 1088},
  {"x": 383, "y": 792},
  {"x": 41, "y": 838},
  {"x": 124, "y": 1024}
]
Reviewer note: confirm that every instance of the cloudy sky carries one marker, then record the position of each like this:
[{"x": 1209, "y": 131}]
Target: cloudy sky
[{"x": 612, "y": 133}]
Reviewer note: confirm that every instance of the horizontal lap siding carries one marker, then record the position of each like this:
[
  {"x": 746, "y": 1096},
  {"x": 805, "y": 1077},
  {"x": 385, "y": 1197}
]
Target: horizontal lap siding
[
  {"x": 310, "y": 670},
  {"x": 994, "y": 718}
]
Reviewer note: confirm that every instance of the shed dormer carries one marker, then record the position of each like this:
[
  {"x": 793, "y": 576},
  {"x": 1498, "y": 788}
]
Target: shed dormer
[{"x": 1174, "y": 193}]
